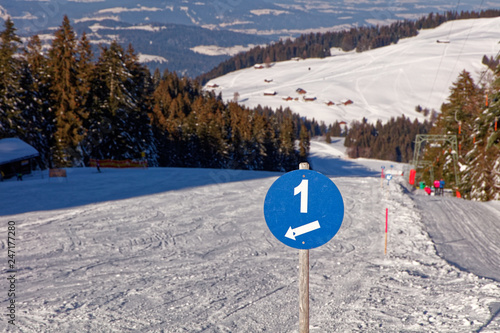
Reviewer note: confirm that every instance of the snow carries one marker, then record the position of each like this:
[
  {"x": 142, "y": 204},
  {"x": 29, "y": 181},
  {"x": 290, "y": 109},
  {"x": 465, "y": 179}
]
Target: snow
[
  {"x": 100, "y": 18},
  {"x": 188, "y": 250},
  {"x": 118, "y": 10},
  {"x": 383, "y": 83},
  {"x": 145, "y": 27},
  {"x": 215, "y": 50},
  {"x": 151, "y": 58},
  {"x": 13, "y": 149},
  {"x": 274, "y": 12}
]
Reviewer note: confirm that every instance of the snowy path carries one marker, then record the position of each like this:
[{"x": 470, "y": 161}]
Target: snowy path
[
  {"x": 188, "y": 250},
  {"x": 201, "y": 259},
  {"x": 465, "y": 233}
]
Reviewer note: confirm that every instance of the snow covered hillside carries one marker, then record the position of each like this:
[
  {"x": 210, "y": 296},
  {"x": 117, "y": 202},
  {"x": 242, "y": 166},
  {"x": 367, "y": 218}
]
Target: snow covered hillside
[
  {"x": 381, "y": 83},
  {"x": 188, "y": 250}
]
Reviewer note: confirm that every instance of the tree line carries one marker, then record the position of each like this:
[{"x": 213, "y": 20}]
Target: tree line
[
  {"x": 318, "y": 45},
  {"x": 393, "y": 141},
  {"x": 73, "y": 106},
  {"x": 472, "y": 113}
]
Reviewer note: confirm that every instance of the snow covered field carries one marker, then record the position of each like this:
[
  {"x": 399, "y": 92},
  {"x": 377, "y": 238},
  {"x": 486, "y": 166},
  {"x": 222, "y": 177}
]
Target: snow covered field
[
  {"x": 382, "y": 83},
  {"x": 188, "y": 250}
]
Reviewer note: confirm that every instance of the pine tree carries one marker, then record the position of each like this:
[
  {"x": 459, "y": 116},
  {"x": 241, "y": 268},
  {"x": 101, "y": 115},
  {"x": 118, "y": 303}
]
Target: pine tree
[
  {"x": 66, "y": 96},
  {"x": 39, "y": 119},
  {"x": 494, "y": 138},
  {"x": 118, "y": 127},
  {"x": 141, "y": 87},
  {"x": 481, "y": 177},
  {"x": 464, "y": 106},
  {"x": 458, "y": 117},
  {"x": 287, "y": 156},
  {"x": 11, "y": 122},
  {"x": 304, "y": 143}
]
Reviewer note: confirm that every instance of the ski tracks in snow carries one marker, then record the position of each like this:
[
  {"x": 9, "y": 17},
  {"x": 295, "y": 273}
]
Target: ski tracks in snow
[{"x": 201, "y": 259}]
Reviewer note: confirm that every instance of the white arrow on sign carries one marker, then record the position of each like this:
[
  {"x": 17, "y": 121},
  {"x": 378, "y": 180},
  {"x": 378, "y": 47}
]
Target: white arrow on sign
[{"x": 291, "y": 233}]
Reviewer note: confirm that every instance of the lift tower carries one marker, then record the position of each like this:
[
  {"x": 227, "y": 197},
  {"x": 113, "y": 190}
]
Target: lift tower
[{"x": 435, "y": 139}]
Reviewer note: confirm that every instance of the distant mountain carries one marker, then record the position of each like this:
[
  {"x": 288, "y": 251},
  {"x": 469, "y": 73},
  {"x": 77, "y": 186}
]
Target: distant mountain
[
  {"x": 188, "y": 50},
  {"x": 191, "y": 36},
  {"x": 379, "y": 84}
]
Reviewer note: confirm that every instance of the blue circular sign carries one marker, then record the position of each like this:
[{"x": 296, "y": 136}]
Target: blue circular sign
[{"x": 303, "y": 209}]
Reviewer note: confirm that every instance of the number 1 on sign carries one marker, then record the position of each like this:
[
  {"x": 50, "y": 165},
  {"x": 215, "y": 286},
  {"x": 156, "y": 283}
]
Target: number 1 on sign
[{"x": 303, "y": 189}]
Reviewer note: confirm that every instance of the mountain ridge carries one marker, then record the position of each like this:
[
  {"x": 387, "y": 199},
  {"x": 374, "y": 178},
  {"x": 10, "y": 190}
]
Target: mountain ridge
[{"x": 263, "y": 20}]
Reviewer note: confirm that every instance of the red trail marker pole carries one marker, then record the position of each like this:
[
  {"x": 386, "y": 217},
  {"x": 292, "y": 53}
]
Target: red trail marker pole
[{"x": 386, "y": 218}]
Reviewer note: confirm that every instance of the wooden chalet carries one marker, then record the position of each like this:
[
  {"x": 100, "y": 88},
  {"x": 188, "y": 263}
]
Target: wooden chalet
[
  {"x": 270, "y": 93},
  {"x": 17, "y": 157}
]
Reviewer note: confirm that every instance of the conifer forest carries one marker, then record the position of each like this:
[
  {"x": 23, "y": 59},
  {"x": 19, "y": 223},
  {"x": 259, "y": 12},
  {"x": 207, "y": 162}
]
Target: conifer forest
[
  {"x": 73, "y": 105},
  {"x": 72, "y": 108}
]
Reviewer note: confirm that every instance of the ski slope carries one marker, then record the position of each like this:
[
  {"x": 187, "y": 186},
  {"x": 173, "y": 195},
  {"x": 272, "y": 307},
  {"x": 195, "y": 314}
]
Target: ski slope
[
  {"x": 188, "y": 250},
  {"x": 382, "y": 83}
]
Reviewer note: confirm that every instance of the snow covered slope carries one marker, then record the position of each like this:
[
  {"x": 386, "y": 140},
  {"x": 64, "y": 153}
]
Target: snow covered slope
[
  {"x": 381, "y": 83},
  {"x": 188, "y": 250}
]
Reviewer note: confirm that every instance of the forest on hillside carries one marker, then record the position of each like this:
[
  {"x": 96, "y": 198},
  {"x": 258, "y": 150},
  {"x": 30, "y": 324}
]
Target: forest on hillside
[
  {"x": 392, "y": 141},
  {"x": 318, "y": 45},
  {"x": 472, "y": 113},
  {"x": 72, "y": 108}
]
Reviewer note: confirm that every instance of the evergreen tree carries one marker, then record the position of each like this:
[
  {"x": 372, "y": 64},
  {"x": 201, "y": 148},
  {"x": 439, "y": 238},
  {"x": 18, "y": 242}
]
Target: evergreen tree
[
  {"x": 11, "y": 122},
  {"x": 118, "y": 127},
  {"x": 287, "y": 155},
  {"x": 458, "y": 117},
  {"x": 481, "y": 175},
  {"x": 67, "y": 95},
  {"x": 304, "y": 143},
  {"x": 140, "y": 85},
  {"x": 37, "y": 114}
]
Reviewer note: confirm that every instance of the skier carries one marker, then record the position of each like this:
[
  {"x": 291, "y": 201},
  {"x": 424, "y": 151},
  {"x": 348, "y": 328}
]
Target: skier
[
  {"x": 427, "y": 190},
  {"x": 441, "y": 186},
  {"x": 436, "y": 187}
]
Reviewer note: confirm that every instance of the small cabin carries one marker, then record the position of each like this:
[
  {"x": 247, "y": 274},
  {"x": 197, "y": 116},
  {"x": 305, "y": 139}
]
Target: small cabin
[
  {"x": 309, "y": 99},
  {"x": 258, "y": 66},
  {"x": 330, "y": 103},
  {"x": 268, "y": 80},
  {"x": 301, "y": 91},
  {"x": 213, "y": 85},
  {"x": 347, "y": 102},
  {"x": 17, "y": 157},
  {"x": 270, "y": 93},
  {"x": 288, "y": 99}
]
